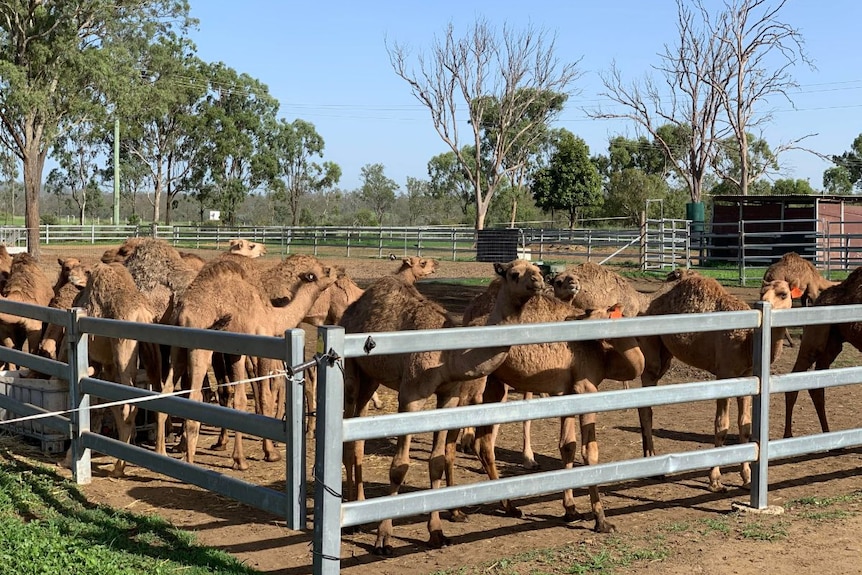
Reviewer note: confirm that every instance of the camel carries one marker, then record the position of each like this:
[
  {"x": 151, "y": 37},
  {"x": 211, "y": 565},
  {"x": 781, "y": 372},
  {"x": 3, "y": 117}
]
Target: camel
[
  {"x": 724, "y": 354},
  {"x": 592, "y": 286},
  {"x": 332, "y": 303},
  {"x": 241, "y": 306},
  {"x": 5, "y": 264},
  {"x": 799, "y": 273},
  {"x": 391, "y": 304},
  {"x": 70, "y": 281},
  {"x": 111, "y": 293},
  {"x": 821, "y": 344},
  {"x": 558, "y": 368},
  {"x": 27, "y": 283}
]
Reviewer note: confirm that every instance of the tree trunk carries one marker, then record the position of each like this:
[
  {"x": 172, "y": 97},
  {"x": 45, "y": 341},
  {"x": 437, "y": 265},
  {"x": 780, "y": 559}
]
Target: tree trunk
[{"x": 34, "y": 162}]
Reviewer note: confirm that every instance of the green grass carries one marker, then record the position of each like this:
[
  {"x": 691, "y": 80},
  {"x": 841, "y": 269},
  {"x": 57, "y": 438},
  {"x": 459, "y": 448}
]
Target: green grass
[{"x": 47, "y": 526}]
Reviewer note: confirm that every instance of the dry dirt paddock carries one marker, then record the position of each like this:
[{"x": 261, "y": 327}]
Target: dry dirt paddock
[{"x": 666, "y": 525}]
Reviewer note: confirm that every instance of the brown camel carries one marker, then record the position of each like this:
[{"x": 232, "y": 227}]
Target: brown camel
[
  {"x": 27, "y": 283},
  {"x": 558, "y": 368},
  {"x": 592, "y": 286},
  {"x": 70, "y": 281},
  {"x": 241, "y": 306},
  {"x": 5, "y": 264},
  {"x": 391, "y": 304},
  {"x": 801, "y": 273},
  {"x": 111, "y": 293},
  {"x": 724, "y": 354},
  {"x": 821, "y": 344}
]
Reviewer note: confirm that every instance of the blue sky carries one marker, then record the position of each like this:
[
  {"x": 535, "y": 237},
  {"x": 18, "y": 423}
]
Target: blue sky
[{"x": 326, "y": 63}]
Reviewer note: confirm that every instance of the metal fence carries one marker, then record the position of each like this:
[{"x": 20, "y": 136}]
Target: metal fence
[{"x": 331, "y": 514}]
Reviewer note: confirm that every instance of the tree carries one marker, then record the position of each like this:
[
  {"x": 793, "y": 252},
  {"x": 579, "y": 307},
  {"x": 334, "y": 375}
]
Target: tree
[
  {"x": 449, "y": 179},
  {"x": 503, "y": 78},
  {"x": 629, "y": 189},
  {"x": 759, "y": 51},
  {"x": 570, "y": 182},
  {"x": 76, "y": 154},
  {"x": 680, "y": 114},
  {"x": 837, "y": 180},
  {"x": 233, "y": 155},
  {"x": 791, "y": 187},
  {"x": 377, "y": 191},
  {"x": 759, "y": 162},
  {"x": 295, "y": 146},
  {"x": 56, "y": 59},
  {"x": 9, "y": 173},
  {"x": 849, "y": 166}
]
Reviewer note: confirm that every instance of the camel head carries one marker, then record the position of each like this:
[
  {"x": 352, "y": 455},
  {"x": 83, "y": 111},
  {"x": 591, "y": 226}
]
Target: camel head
[
  {"x": 795, "y": 291},
  {"x": 778, "y": 293},
  {"x": 566, "y": 286},
  {"x": 243, "y": 247},
  {"x": 68, "y": 267},
  {"x": 122, "y": 252},
  {"x": 78, "y": 275},
  {"x": 521, "y": 278},
  {"x": 679, "y": 273},
  {"x": 320, "y": 274},
  {"x": 417, "y": 268}
]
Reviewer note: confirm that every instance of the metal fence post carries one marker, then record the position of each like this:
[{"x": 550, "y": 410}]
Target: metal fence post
[
  {"x": 79, "y": 401},
  {"x": 294, "y": 420},
  {"x": 328, "y": 451},
  {"x": 762, "y": 354}
]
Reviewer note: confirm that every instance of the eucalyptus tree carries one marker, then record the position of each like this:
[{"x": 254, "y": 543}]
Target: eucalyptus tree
[
  {"x": 485, "y": 75},
  {"x": 847, "y": 171},
  {"x": 450, "y": 180},
  {"x": 570, "y": 182},
  {"x": 76, "y": 153},
  {"x": 759, "y": 162},
  {"x": 377, "y": 190},
  {"x": 759, "y": 51},
  {"x": 232, "y": 153},
  {"x": 9, "y": 174},
  {"x": 680, "y": 111},
  {"x": 156, "y": 113},
  {"x": 56, "y": 58},
  {"x": 295, "y": 145}
]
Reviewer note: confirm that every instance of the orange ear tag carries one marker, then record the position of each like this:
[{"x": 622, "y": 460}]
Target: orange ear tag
[
  {"x": 795, "y": 292},
  {"x": 616, "y": 313}
]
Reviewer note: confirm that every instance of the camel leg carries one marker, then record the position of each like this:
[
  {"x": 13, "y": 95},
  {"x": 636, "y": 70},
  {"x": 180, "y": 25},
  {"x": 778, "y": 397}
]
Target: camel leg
[
  {"x": 397, "y": 473},
  {"x": 486, "y": 439},
  {"x": 722, "y": 423},
  {"x": 353, "y": 454},
  {"x": 820, "y": 346},
  {"x": 179, "y": 365},
  {"x": 236, "y": 370},
  {"x": 310, "y": 391},
  {"x": 199, "y": 360},
  {"x": 590, "y": 453},
  {"x": 441, "y": 461},
  {"x": 657, "y": 360},
  {"x": 224, "y": 395},
  {"x": 125, "y": 368},
  {"x": 265, "y": 400},
  {"x": 529, "y": 459},
  {"x": 743, "y": 405},
  {"x": 471, "y": 394}
]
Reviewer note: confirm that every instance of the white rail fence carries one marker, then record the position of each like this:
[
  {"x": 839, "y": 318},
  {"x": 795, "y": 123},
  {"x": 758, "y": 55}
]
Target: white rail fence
[{"x": 331, "y": 513}]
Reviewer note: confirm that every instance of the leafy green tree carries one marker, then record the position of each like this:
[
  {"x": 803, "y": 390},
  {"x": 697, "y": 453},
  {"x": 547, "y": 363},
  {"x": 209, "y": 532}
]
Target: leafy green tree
[
  {"x": 837, "y": 180},
  {"x": 295, "y": 145},
  {"x": 233, "y": 155},
  {"x": 9, "y": 173},
  {"x": 377, "y": 191},
  {"x": 449, "y": 179},
  {"x": 570, "y": 182},
  {"x": 500, "y": 79},
  {"x": 628, "y": 191},
  {"x": 58, "y": 59},
  {"x": 791, "y": 187},
  {"x": 761, "y": 161},
  {"x": 76, "y": 153},
  {"x": 851, "y": 162}
]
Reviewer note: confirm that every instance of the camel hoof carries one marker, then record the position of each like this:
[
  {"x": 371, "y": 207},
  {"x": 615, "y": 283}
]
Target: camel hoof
[
  {"x": 605, "y": 527},
  {"x": 240, "y": 465},
  {"x": 570, "y": 516},
  {"x": 271, "y": 457},
  {"x": 717, "y": 487},
  {"x": 531, "y": 464},
  {"x": 117, "y": 473},
  {"x": 514, "y": 512},
  {"x": 438, "y": 540},
  {"x": 457, "y": 516},
  {"x": 219, "y": 447},
  {"x": 384, "y": 551}
]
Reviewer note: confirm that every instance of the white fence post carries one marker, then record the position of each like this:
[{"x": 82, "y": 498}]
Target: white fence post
[
  {"x": 294, "y": 416},
  {"x": 761, "y": 360}
]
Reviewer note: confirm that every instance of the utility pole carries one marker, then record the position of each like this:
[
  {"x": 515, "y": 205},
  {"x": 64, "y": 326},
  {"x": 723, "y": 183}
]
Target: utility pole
[{"x": 116, "y": 171}]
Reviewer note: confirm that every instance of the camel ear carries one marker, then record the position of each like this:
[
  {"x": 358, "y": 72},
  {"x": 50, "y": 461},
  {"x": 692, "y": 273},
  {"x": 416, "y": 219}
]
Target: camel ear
[
  {"x": 235, "y": 242},
  {"x": 795, "y": 292},
  {"x": 499, "y": 269},
  {"x": 60, "y": 261},
  {"x": 616, "y": 312}
]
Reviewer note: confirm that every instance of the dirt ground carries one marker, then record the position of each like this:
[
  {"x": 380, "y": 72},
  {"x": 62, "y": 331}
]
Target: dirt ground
[{"x": 672, "y": 514}]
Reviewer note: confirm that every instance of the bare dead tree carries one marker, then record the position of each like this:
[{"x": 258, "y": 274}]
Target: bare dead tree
[
  {"x": 760, "y": 51},
  {"x": 464, "y": 78},
  {"x": 681, "y": 113}
]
